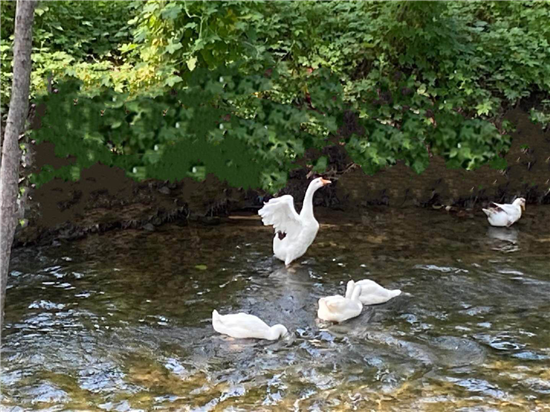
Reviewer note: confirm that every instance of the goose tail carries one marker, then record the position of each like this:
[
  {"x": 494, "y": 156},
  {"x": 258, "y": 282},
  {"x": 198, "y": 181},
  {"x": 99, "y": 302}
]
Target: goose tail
[{"x": 216, "y": 317}]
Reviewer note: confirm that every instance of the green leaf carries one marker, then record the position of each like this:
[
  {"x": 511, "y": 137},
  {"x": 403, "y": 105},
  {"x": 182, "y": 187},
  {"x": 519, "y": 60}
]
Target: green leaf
[
  {"x": 321, "y": 165},
  {"x": 498, "y": 163},
  {"x": 192, "y": 63},
  {"x": 419, "y": 166},
  {"x": 171, "y": 11},
  {"x": 125, "y": 48},
  {"x": 201, "y": 267},
  {"x": 173, "y": 47},
  {"x": 116, "y": 124},
  {"x": 172, "y": 80},
  {"x": 484, "y": 108}
]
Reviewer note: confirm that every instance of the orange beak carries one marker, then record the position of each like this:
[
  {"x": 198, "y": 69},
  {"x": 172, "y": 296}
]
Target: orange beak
[{"x": 325, "y": 182}]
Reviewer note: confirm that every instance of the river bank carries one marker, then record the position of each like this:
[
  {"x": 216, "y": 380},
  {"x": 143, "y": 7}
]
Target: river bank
[{"x": 104, "y": 199}]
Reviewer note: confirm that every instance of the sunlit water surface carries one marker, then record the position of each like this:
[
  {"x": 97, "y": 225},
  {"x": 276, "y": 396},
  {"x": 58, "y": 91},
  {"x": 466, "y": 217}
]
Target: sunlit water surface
[{"x": 122, "y": 321}]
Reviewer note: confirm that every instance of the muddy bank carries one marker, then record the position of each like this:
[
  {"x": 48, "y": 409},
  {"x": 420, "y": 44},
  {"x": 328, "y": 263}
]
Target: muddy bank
[
  {"x": 527, "y": 174},
  {"x": 105, "y": 199}
]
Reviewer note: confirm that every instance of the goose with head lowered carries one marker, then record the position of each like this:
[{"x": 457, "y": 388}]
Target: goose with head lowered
[
  {"x": 374, "y": 294},
  {"x": 294, "y": 232},
  {"x": 341, "y": 308},
  {"x": 243, "y": 325}
]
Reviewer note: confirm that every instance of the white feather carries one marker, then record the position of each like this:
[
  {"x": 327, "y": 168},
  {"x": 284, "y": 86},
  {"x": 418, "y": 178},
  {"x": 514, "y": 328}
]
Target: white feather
[{"x": 280, "y": 213}]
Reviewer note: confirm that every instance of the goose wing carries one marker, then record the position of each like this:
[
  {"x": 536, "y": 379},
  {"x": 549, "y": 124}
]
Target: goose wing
[
  {"x": 280, "y": 213},
  {"x": 337, "y": 304},
  {"x": 508, "y": 209},
  {"x": 243, "y": 320},
  {"x": 371, "y": 287}
]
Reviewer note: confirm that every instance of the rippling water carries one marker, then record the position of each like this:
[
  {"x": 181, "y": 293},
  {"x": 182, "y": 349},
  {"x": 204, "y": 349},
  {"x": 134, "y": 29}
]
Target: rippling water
[{"x": 121, "y": 322}]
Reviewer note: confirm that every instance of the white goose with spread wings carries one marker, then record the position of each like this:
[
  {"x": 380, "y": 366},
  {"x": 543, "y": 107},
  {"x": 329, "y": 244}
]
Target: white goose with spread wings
[
  {"x": 294, "y": 232},
  {"x": 505, "y": 215}
]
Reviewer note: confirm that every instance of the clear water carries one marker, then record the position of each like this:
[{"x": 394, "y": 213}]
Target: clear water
[{"x": 121, "y": 321}]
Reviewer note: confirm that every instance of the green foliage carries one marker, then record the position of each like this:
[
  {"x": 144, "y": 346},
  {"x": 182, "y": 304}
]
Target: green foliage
[
  {"x": 71, "y": 39},
  {"x": 541, "y": 115},
  {"x": 419, "y": 76},
  {"x": 196, "y": 130}
]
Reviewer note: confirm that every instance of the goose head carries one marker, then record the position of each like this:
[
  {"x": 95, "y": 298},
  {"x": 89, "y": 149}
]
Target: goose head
[
  {"x": 520, "y": 202},
  {"x": 277, "y": 331},
  {"x": 318, "y": 183}
]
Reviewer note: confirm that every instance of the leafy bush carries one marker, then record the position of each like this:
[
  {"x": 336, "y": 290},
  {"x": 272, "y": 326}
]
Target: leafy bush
[
  {"x": 196, "y": 130},
  {"x": 418, "y": 77}
]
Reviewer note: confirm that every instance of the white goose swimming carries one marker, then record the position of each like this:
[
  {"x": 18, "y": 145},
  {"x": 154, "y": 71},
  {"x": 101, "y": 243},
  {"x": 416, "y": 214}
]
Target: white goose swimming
[
  {"x": 339, "y": 308},
  {"x": 505, "y": 215},
  {"x": 374, "y": 294},
  {"x": 242, "y": 326},
  {"x": 294, "y": 232}
]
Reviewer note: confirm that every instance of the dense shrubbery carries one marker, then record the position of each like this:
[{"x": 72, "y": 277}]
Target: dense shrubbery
[{"x": 243, "y": 89}]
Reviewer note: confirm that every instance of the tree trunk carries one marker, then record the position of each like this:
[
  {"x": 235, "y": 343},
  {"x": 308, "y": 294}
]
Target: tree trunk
[{"x": 15, "y": 125}]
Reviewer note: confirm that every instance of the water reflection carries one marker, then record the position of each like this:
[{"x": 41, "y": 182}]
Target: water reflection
[
  {"x": 122, "y": 321},
  {"x": 509, "y": 235},
  {"x": 504, "y": 239}
]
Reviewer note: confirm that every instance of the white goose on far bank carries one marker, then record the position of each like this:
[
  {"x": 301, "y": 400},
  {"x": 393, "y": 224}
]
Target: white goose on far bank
[
  {"x": 505, "y": 215},
  {"x": 294, "y": 232}
]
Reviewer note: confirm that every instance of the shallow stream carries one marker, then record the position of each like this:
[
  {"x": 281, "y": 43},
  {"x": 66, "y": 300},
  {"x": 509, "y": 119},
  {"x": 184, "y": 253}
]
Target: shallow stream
[{"x": 122, "y": 321}]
